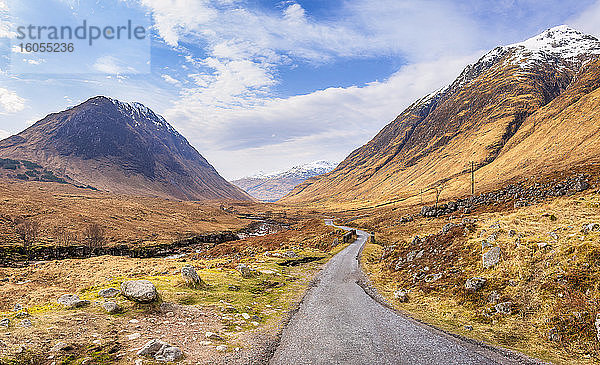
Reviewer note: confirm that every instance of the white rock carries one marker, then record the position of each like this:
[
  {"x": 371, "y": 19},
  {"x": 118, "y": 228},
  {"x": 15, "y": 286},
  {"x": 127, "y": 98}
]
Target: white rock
[
  {"x": 134, "y": 336},
  {"x": 142, "y": 291}
]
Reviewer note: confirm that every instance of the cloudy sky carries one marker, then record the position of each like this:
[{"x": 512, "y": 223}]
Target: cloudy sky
[{"x": 266, "y": 85}]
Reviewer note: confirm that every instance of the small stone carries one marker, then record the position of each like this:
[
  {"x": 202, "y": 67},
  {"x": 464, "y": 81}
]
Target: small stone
[
  {"x": 475, "y": 283},
  {"x": 222, "y": 348},
  {"x": 213, "y": 336},
  {"x": 493, "y": 297},
  {"x": 17, "y": 307},
  {"x": 245, "y": 316},
  {"x": 97, "y": 342},
  {"x": 61, "y": 346},
  {"x": 26, "y": 323},
  {"x": 401, "y": 295},
  {"x": 111, "y": 307},
  {"x": 587, "y": 228},
  {"x": 109, "y": 292},
  {"x": 597, "y": 324},
  {"x": 134, "y": 336},
  {"x": 205, "y": 343},
  {"x": 504, "y": 308},
  {"x": 134, "y": 321},
  {"x": 168, "y": 354},
  {"x": 5, "y": 322},
  {"x": 138, "y": 362},
  {"x": 469, "y": 328},
  {"x": 245, "y": 271},
  {"x": 72, "y": 301},
  {"x": 542, "y": 244},
  {"x": 553, "y": 235},
  {"x": 429, "y": 278}
]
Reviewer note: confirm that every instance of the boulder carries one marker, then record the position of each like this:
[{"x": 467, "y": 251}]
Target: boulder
[
  {"x": 160, "y": 350},
  {"x": 221, "y": 348},
  {"x": 580, "y": 186},
  {"x": 142, "y": 291},
  {"x": 245, "y": 271},
  {"x": 72, "y": 301},
  {"x": 591, "y": 227},
  {"x": 504, "y": 308},
  {"x": 475, "y": 283},
  {"x": 191, "y": 278},
  {"x": 491, "y": 257},
  {"x": 109, "y": 292},
  {"x": 169, "y": 354},
  {"x": 291, "y": 254},
  {"x": 111, "y": 307}
]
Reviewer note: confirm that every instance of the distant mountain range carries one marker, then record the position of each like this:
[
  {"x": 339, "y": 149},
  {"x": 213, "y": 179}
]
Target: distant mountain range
[
  {"x": 118, "y": 147},
  {"x": 524, "y": 109},
  {"x": 272, "y": 187}
]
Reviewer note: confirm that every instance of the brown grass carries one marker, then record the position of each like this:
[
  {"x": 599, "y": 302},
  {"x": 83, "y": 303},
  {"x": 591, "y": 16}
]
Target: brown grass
[{"x": 554, "y": 289}]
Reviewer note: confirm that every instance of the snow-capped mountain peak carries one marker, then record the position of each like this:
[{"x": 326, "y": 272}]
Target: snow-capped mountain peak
[
  {"x": 142, "y": 114},
  {"x": 272, "y": 186},
  {"x": 561, "y": 41}
]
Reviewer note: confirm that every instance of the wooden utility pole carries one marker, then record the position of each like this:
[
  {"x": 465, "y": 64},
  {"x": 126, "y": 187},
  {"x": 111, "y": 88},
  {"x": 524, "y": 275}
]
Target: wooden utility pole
[{"x": 472, "y": 178}]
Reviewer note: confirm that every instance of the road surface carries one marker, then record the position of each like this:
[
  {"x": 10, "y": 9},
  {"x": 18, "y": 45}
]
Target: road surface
[{"x": 338, "y": 323}]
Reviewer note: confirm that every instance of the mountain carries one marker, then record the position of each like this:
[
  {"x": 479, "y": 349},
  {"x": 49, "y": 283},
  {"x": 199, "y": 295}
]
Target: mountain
[
  {"x": 272, "y": 187},
  {"x": 523, "y": 109},
  {"x": 123, "y": 148}
]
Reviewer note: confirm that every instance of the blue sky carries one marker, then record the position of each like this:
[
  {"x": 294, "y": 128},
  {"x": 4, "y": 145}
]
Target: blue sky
[{"x": 266, "y": 85}]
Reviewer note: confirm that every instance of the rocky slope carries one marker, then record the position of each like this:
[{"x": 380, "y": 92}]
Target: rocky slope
[
  {"x": 121, "y": 148},
  {"x": 272, "y": 187},
  {"x": 522, "y": 109}
]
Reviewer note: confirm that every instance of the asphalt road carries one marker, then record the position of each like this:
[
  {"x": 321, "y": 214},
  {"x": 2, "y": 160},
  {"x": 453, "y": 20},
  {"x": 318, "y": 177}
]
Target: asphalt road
[{"x": 338, "y": 323}]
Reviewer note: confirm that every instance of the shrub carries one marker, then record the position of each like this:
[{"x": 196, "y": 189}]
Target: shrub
[
  {"x": 28, "y": 230},
  {"x": 94, "y": 235},
  {"x": 65, "y": 237}
]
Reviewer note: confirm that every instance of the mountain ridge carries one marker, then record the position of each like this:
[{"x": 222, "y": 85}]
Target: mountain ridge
[
  {"x": 434, "y": 140},
  {"x": 121, "y": 148},
  {"x": 273, "y": 186}
]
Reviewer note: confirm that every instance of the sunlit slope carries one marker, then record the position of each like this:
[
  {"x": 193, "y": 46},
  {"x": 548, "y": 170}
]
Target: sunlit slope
[{"x": 514, "y": 113}]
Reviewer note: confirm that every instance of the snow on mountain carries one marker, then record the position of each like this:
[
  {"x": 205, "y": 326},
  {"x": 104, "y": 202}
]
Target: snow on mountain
[
  {"x": 142, "y": 114},
  {"x": 273, "y": 186},
  {"x": 560, "y": 46}
]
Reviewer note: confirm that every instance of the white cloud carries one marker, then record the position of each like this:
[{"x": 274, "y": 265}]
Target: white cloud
[
  {"x": 10, "y": 102},
  {"x": 588, "y": 21},
  {"x": 112, "y": 65},
  {"x": 4, "y": 134},
  {"x": 170, "y": 80},
  {"x": 329, "y": 122}
]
